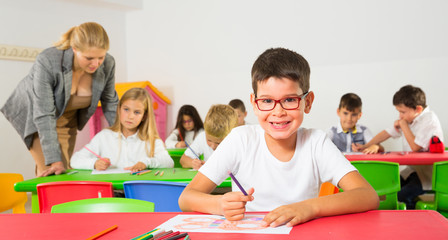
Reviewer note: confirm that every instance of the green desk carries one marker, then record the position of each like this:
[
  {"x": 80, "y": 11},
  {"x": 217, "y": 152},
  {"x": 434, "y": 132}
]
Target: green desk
[{"x": 182, "y": 175}]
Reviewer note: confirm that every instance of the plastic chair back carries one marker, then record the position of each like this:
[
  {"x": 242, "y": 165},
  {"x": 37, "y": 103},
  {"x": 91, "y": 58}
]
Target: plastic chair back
[
  {"x": 52, "y": 193},
  {"x": 10, "y": 199},
  {"x": 440, "y": 186},
  {"x": 384, "y": 178},
  {"x": 96, "y": 205},
  {"x": 176, "y": 154},
  {"x": 327, "y": 189},
  {"x": 164, "y": 195}
]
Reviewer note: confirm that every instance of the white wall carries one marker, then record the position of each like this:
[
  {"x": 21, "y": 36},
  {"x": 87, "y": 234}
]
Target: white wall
[
  {"x": 39, "y": 24},
  {"x": 201, "y": 52}
]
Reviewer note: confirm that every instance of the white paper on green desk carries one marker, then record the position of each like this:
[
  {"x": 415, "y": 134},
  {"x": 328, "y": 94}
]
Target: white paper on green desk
[
  {"x": 110, "y": 171},
  {"x": 218, "y": 224}
]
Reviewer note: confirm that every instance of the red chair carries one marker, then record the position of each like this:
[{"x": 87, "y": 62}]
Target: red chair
[{"x": 53, "y": 193}]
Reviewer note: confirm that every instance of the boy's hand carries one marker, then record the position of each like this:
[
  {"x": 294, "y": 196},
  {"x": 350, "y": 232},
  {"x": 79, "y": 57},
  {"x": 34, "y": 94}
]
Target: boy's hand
[
  {"x": 356, "y": 147},
  {"x": 397, "y": 125},
  {"x": 372, "y": 149},
  {"x": 137, "y": 167},
  {"x": 181, "y": 144},
  {"x": 102, "y": 163},
  {"x": 233, "y": 204},
  {"x": 197, "y": 163},
  {"x": 291, "y": 215}
]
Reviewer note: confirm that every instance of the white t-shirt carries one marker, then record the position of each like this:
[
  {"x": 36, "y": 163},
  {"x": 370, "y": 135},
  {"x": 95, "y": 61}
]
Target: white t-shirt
[
  {"x": 172, "y": 139},
  {"x": 423, "y": 127},
  {"x": 122, "y": 152},
  {"x": 244, "y": 153},
  {"x": 199, "y": 147}
]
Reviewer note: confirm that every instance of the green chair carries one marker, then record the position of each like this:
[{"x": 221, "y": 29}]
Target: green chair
[
  {"x": 96, "y": 205},
  {"x": 176, "y": 154},
  {"x": 385, "y": 179},
  {"x": 440, "y": 188}
]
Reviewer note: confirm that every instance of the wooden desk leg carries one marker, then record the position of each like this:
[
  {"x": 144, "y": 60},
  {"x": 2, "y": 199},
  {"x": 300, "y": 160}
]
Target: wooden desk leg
[{"x": 34, "y": 203}]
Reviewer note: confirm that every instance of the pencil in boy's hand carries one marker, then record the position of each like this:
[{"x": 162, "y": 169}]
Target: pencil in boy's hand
[
  {"x": 96, "y": 155},
  {"x": 191, "y": 150},
  {"x": 238, "y": 184}
]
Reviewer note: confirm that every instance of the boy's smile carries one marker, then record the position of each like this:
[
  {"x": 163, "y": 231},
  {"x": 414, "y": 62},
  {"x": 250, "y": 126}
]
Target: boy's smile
[
  {"x": 278, "y": 123},
  {"x": 348, "y": 118}
]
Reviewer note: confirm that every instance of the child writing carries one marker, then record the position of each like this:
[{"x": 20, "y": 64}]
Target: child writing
[
  {"x": 188, "y": 126},
  {"x": 220, "y": 120},
  {"x": 240, "y": 109},
  {"x": 348, "y": 132},
  {"x": 416, "y": 125},
  {"x": 280, "y": 165},
  {"x": 132, "y": 143}
]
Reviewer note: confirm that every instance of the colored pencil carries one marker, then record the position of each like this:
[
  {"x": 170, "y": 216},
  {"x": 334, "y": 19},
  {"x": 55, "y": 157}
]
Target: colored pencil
[
  {"x": 155, "y": 174},
  {"x": 238, "y": 184},
  {"x": 139, "y": 236},
  {"x": 161, "y": 173},
  {"x": 170, "y": 235},
  {"x": 191, "y": 150},
  {"x": 72, "y": 172},
  {"x": 96, "y": 155},
  {"x": 102, "y": 232},
  {"x": 177, "y": 236},
  {"x": 152, "y": 234},
  {"x": 163, "y": 234},
  {"x": 180, "y": 135},
  {"x": 144, "y": 172}
]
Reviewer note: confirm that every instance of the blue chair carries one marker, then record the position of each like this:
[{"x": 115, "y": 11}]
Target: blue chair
[{"x": 163, "y": 194}]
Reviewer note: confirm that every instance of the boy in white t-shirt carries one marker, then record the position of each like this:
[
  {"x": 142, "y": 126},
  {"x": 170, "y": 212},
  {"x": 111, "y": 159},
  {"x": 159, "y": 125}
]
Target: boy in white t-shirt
[
  {"x": 280, "y": 165},
  {"x": 218, "y": 123},
  {"x": 416, "y": 125}
]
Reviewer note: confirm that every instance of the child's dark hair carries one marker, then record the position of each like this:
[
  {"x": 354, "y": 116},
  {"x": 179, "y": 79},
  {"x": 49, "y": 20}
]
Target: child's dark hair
[
  {"x": 281, "y": 63},
  {"x": 237, "y": 104},
  {"x": 351, "y": 102},
  {"x": 410, "y": 96},
  {"x": 191, "y": 111}
]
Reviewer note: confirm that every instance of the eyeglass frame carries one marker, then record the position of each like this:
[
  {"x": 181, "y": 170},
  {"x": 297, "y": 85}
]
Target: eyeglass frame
[{"x": 302, "y": 96}]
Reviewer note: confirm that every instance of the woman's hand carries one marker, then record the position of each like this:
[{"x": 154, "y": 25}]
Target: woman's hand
[
  {"x": 233, "y": 204},
  {"x": 55, "y": 168}
]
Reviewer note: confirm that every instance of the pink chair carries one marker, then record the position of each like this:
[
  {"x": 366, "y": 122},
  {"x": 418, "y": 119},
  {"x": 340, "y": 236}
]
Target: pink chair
[{"x": 53, "y": 193}]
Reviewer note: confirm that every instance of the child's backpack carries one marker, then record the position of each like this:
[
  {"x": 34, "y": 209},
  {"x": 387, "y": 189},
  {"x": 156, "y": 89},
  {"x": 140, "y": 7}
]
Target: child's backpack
[{"x": 435, "y": 145}]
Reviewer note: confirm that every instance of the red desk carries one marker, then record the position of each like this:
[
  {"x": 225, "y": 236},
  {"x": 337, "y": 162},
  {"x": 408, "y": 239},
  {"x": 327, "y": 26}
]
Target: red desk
[
  {"x": 402, "y": 158},
  {"x": 384, "y": 224}
]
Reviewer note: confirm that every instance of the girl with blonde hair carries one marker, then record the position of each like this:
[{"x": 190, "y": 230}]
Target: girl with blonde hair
[
  {"x": 132, "y": 143},
  {"x": 61, "y": 93}
]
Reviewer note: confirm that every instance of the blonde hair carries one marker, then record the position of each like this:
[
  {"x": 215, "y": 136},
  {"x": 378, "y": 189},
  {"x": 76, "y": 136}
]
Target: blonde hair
[
  {"x": 147, "y": 130},
  {"x": 86, "y": 35},
  {"x": 220, "y": 120}
]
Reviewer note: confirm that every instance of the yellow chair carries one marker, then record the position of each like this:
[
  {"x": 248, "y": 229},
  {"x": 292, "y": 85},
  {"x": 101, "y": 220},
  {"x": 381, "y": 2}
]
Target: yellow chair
[{"x": 11, "y": 199}]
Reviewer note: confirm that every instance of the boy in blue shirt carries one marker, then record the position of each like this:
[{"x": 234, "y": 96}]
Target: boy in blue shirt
[{"x": 280, "y": 165}]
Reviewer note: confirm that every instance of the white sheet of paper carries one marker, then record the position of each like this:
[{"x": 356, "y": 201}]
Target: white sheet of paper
[
  {"x": 218, "y": 224},
  {"x": 110, "y": 171}
]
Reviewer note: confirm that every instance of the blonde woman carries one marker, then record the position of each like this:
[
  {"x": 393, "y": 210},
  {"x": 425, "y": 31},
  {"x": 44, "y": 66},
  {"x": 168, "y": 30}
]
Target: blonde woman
[
  {"x": 132, "y": 143},
  {"x": 61, "y": 93}
]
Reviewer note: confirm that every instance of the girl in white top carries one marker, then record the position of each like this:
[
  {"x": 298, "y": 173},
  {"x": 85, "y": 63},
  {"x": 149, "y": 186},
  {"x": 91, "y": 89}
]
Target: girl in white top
[
  {"x": 188, "y": 125},
  {"x": 132, "y": 143}
]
